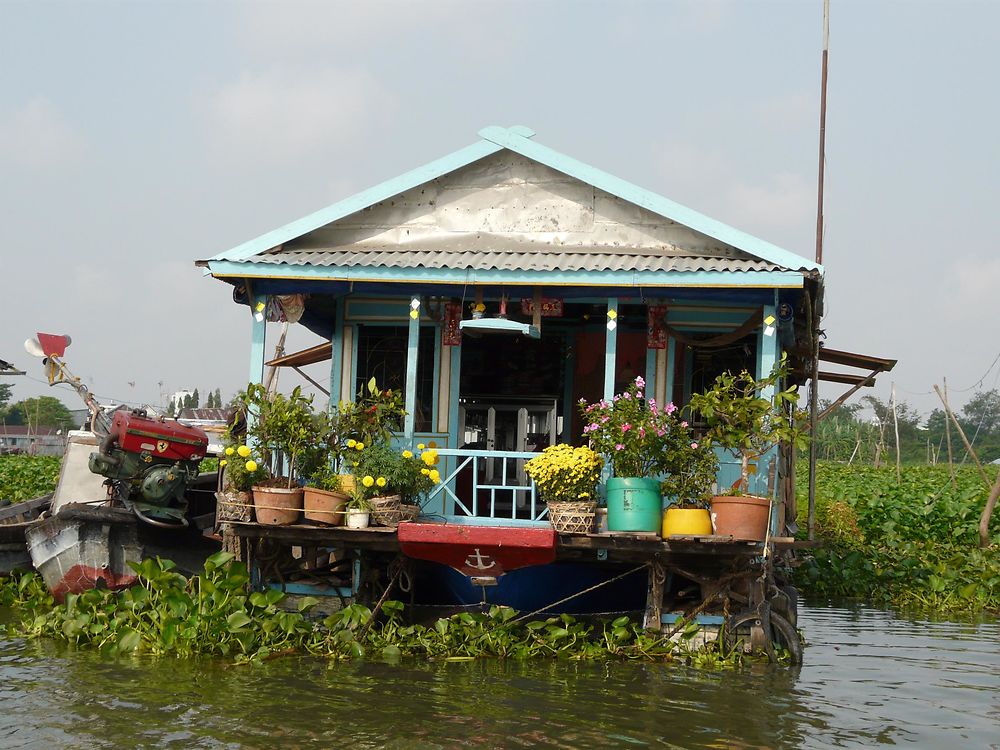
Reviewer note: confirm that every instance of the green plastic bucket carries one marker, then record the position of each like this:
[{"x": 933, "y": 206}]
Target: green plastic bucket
[{"x": 634, "y": 504}]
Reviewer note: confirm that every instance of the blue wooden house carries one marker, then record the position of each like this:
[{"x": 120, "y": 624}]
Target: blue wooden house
[{"x": 502, "y": 283}]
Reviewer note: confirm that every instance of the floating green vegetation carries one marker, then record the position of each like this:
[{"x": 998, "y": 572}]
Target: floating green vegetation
[
  {"x": 212, "y": 614},
  {"x": 27, "y": 477},
  {"x": 914, "y": 543}
]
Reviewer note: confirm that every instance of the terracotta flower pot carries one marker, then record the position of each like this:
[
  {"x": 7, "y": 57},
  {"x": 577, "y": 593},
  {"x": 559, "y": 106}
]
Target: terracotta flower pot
[
  {"x": 277, "y": 506},
  {"x": 323, "y": 506},
  {"x": 742, "y": 517}
]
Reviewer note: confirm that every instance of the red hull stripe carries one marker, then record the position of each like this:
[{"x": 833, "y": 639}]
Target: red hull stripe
[{"x": 478, "y": 550}]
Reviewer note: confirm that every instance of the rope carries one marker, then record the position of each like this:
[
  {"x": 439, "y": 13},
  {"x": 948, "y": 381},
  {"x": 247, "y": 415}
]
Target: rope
[{"x": 579, "y": 593}]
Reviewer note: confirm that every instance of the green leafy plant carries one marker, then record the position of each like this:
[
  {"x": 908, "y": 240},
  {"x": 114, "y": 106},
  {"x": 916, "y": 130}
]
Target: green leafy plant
[
  {"x": 740, "y": 419},
  {"x": 283, "y": 426},
  {"x": 373, "y": 417},
  {"x": 242, "y": 469},
  {"x": 325, "y": 477},
  {"x": 693, "y": 472},
  {"x": 566, "y": 473}
]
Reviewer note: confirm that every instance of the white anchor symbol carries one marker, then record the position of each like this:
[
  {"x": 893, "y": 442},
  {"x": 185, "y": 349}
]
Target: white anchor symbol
[{"x": 478, "y": 564}]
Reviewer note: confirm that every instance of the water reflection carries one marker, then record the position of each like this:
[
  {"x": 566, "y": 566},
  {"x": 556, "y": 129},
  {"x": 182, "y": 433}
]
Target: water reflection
[{"x": 869, "y": 678}]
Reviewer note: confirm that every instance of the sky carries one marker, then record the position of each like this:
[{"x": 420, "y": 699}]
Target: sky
[{"x": 137, "y": 137}]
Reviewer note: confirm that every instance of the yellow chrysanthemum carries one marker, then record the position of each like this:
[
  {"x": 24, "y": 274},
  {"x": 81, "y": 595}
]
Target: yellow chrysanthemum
[
  {"x": 223, "y": 462},
  {"x": 360, "y": 446},
  {"x": 351, "y": 443},
  {"x": 243, "y": 450},
  {"x": 407, "y": 454},
  {"x": 368, "y": 481},
  {"x": 435, "y": 475},
  {"x": 251, "y": 466},
  {"x": 420, "y": 446},
  {"x": 380, "y": 481},
  {"x": 425, "y": 472},
  {"x": 230, "y": 450}
]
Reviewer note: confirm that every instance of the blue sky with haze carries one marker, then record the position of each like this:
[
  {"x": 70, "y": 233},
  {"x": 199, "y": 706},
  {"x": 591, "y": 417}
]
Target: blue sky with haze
[{"x": 136, "y": 137}]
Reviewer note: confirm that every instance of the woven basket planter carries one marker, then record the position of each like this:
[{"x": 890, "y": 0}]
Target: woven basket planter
[
  {"x": 386, "y": 511},
  {"x": 233, "y": 506},
  {"x": 408, "y": 512},
  {"x": 573, "y": 517}
]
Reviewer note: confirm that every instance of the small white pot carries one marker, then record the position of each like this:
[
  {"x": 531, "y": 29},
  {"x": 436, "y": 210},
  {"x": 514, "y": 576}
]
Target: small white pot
[{"x": 357, "y": 519}]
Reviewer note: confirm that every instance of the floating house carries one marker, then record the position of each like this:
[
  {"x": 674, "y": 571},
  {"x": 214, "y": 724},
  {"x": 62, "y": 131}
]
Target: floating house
[{"x": 584, "y": 282}]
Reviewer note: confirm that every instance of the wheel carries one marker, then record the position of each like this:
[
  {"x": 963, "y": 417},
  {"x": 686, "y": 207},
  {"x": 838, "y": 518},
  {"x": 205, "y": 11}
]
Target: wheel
[{"x": 755, "y": 625}]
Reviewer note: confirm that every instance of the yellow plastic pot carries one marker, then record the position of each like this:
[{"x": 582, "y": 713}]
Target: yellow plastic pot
[{"x": 686, "y": 522}]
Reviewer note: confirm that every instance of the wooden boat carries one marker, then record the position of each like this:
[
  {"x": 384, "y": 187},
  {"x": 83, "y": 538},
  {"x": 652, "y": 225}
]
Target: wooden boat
[{"x": 14, "y": 521}]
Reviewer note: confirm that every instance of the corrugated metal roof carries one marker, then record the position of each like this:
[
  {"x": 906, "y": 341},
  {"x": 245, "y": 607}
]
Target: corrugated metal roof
[{"x": 533, "y": 260}]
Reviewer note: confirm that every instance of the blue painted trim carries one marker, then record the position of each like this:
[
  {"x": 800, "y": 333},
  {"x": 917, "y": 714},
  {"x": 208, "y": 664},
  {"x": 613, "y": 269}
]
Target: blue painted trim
[
  {"x": 306, "y": 589},
  {"x": 455, "y": 439},
  {"x": 593, "y": 279},
  {"x": 436, "y": 378},
  {"x": 492, "y": 522},
  {"x": 337, "y": 354},
  {"x": 647, "y": 199},
  {"x": 669, "y": 618},
  {"x": 361, "y": 200},
  {"x": 412, "y": 350},
  {"x": 258, "y": 332},
  {"x": 610, "y": 350}
]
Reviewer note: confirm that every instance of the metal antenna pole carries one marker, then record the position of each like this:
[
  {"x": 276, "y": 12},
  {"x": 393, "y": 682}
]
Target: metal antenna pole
[{"x": 822, "y": 131}]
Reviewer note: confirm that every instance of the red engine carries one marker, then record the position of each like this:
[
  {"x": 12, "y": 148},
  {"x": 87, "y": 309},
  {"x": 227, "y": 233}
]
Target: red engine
[{"x": 169, "y": 441}]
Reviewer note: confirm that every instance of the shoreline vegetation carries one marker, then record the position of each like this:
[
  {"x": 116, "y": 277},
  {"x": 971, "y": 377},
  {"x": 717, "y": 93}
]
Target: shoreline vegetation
[
  {"x": 212, "y": 614},
  {"x": 911, "y": 543}
]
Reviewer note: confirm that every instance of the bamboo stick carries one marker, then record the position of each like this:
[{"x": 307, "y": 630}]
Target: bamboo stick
[
  {"x": 895, "y": 425},
  {"x": 961, "y": 434},
  {"x": 947, "y": 436},
  {"x": 984, "y": 519}
]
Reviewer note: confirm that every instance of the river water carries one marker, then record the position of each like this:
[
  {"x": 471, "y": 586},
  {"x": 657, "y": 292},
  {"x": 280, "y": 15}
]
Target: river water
[{"x": 869, "y": 678}]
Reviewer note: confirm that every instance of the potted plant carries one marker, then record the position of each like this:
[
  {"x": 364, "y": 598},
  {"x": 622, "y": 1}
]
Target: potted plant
[
  {"x": 688, "y": 486},
  {"x": 358, "y": 511},
  {"x": 323, "y": 498},
  {"x": 239, "y": 471},
  {"x": 634, "y": 434},
  {"x": 281, "y": 428},
  {"x": 416, "y": 477},
  {"x": 744, "y": 422},
  {"x": 567, "y": 477}
]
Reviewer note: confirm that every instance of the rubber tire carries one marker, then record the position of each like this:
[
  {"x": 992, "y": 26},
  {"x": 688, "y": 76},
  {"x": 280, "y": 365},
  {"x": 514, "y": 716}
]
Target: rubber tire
[{"x": 782, "y": 633}]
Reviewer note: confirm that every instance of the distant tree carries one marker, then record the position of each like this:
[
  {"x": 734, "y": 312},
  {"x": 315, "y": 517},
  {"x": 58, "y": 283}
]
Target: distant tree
[
  {"x": 982, "y": 413},
  {"x": 195, "y": 399},
  {"x": 218, "y": 399},
  {"x": 171, "y": 409},
  {"x": 6, "y": 389},
  {"x": 44, "y": 411},
  {"x": 187, "y": 401}
]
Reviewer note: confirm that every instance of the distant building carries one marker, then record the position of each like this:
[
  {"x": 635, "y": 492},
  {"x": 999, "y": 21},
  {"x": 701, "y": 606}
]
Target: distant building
[{"x": 33, "y": 441}]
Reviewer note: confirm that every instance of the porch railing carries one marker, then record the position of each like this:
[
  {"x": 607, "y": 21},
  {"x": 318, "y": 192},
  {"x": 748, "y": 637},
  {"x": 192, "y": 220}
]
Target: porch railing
[{"x": 484, "y": 485}]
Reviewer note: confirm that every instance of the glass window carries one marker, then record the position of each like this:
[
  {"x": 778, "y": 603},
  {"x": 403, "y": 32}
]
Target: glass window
[{"x": 382, "y": 355}]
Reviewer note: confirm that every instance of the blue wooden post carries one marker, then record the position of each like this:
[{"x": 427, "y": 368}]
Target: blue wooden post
[
  {"x": 413, "y": 344},
  {"x": 337, "y": 355},
  {"x": 610, "y": 348},
  {"x": 455, "y": 435},
  {"x": 258, "y": 328},
  {"x": 767, "y": 356}
]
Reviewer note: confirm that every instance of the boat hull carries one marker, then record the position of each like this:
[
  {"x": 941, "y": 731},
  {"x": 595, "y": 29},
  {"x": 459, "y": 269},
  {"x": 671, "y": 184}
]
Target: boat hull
[{"x": 85, "y": 548}]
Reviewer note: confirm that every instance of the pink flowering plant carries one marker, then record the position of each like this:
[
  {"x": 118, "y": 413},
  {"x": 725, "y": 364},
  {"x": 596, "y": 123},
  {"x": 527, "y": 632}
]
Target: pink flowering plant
[
  {"x": 639, "y": 437},
  {"x": 690, "y": 482}
]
